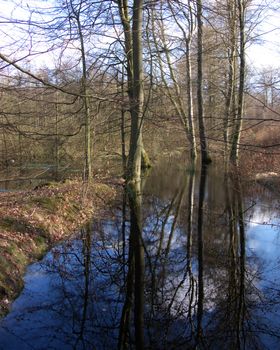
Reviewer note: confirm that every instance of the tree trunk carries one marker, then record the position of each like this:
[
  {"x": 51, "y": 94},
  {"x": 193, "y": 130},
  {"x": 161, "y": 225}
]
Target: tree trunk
[
  {"x": 205, "y": 159},
  {"x": 123, "y": 125},
  {"x": 230, "y": 97},
  {"x": 85, "y": 99},
  {"x": 133, "y": 51},
  {"x": 136, "y": 145},
  {"x": 239, "y": 117},
  {"x": 190, "y": 101}
]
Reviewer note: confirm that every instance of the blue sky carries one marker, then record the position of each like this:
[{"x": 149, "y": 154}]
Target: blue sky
[{"x": 264, "y": 53}]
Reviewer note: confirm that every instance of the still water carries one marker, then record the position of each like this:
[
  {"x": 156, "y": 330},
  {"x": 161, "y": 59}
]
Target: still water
[{"x": 191, "y": 263}]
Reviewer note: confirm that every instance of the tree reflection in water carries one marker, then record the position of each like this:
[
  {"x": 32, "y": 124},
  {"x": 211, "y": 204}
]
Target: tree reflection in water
[{"x": 186, "y": 271}]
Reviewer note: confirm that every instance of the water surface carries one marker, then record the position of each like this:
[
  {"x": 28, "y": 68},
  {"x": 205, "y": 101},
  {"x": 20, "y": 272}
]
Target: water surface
[{"x": 192, "y": 263}]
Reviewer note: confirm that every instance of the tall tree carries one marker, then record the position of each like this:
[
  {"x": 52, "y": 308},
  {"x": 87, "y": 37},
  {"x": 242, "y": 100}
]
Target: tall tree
[
  {"x": 241, "y": 8},
  {"x": 134, "y": 56},
  {"x": 205, "y": 159},
  {"x": 231, "y": 19}
]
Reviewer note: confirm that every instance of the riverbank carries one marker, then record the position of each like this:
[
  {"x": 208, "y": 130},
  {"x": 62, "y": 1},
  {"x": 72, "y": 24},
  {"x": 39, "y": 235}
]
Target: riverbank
[{"x": 32, "y": 221}]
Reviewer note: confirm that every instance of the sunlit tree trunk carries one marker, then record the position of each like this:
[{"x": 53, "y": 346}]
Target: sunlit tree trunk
[
  {"x": 242, "y": 63},
  {"x": 205, "y": 159},
  {"x": 232, "y": 52},
  {"x": 123, "y": 133},
  {"x": 135, "y": 151},
  {"x": 133, "y": 50},
  {"x": 190, "y": 100}
]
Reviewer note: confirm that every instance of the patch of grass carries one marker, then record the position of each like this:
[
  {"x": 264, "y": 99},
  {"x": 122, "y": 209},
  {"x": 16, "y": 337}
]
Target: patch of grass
[
  {"x": 3, "y": 263},
  {"x": 19, "y": 255},
  {"x": 50, "y": 204},
  {"x": 41, "y": 245},
  {"x": 14, "y": 224}
]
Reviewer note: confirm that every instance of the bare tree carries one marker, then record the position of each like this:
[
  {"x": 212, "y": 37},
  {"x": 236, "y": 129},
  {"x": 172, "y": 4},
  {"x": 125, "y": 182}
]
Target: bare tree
[
  {"x": 241, "y": 8},
  {"x": 205, "y": 159},
  {"x": 134, "y": 56}
]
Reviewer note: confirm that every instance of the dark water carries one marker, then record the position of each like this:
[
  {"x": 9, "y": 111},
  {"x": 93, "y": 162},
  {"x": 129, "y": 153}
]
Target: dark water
[{"x": 192, "y": 263}]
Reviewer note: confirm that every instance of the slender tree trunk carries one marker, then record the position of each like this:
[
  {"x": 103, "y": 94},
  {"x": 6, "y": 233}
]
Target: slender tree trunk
[
  {"x": 230, "y": 97},
  {"x": 124, "y": 15},
  {"x": 85, "y": 99},
  {"x": 190, "y": 101},
  {"x": 205, "y": 159},
  {"x": 133, "y": 50},
  {"x": 242, "y": 65},
  {"x": 123, "y": 125},
  {"x": 56, "y": 137},
  {"x": 135, "y": 152}
]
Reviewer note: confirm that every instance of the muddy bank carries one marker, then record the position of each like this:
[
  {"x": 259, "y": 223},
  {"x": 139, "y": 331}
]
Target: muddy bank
[{"x": 32, "y": 221}]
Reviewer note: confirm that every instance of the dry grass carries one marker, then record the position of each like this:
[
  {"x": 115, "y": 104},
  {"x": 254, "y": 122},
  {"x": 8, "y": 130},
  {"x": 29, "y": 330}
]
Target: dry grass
[{"x": 266, "y": 156}]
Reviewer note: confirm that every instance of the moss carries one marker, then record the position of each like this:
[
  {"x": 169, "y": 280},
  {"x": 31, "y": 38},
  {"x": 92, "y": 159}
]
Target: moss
[
  {"x": 41, "y": 246},
  {"x": 21, "y": 258},
  {"x": 145, "y": 160},
  {"x": 3, "y": 263},
  {"x": 40, "y": 241}
]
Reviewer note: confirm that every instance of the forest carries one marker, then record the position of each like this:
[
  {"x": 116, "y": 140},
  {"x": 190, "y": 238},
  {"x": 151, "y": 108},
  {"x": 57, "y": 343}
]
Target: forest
[
  {"x": 111, "y": 79},
  {"x": 140, "y": 165}
]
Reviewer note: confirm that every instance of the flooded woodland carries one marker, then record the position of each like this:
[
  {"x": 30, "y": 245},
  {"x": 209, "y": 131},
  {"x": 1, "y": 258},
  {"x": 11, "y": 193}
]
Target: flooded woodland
[{"x": 139, "y": 175}]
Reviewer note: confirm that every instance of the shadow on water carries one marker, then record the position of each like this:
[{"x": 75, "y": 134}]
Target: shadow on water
[{"x": 185, "y": 260}]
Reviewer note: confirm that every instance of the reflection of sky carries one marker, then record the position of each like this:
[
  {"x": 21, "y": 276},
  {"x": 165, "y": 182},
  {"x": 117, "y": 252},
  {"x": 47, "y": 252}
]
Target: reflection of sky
[
  {"x": 48, "y": 313},
  {"x": 263, "y": 233},
  {"x": 264, "y": 241}
]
